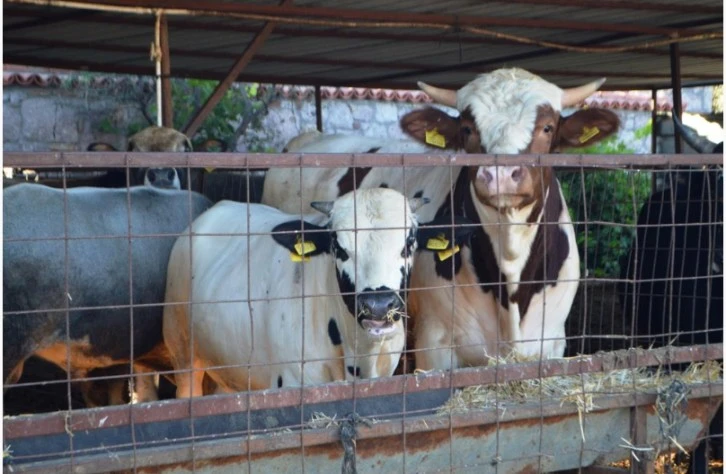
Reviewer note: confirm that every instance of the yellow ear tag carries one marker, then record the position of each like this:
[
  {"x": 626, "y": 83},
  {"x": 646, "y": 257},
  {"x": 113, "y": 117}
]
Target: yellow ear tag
[
  {"x": 588, "y": 133},
  {"x": 438, "y": 243},
  {"x": 208, "y": 170},
  {"x": 433, "y": 137},
  {"x": 446, "y": 254},
  {"x": 304, "y": 248},
  {"x": 301, "y": 250}
]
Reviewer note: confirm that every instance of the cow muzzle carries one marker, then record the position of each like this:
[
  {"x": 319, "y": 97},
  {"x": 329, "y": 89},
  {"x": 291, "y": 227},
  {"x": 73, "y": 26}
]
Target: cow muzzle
[
  {"x": 503, "y": 186},
  {"x": 379, "y": 311}
]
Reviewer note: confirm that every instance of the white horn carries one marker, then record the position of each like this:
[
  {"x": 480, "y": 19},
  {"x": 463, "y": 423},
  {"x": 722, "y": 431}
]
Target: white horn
[
  {"x": 442, "y": 96},
  {"x": 326, "y": 207},
  {"x": 575, "y": 95},
  {"x": 416, "y": 203}
]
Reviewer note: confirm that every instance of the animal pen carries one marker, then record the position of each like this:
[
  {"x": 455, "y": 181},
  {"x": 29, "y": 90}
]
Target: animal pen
[{"x": 618, "y": 401}]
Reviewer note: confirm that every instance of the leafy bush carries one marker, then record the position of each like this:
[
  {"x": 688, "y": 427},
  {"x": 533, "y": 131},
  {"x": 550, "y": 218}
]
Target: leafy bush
[
  {"x": 612, "y": 198},
  {"x": 243, "y": 106}
]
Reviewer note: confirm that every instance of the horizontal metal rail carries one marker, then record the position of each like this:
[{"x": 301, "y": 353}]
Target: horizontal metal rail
[
  {"x": 59, "y": 422},
  {"x": 334, "y": 160},
  {"x": 241, "y": 445}
]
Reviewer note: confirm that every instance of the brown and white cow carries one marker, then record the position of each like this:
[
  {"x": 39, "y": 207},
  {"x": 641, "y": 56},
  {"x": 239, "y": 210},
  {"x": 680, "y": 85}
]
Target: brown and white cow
[
  {"x": 508, "y": 111},
  {"x": 515, "y": 279}
]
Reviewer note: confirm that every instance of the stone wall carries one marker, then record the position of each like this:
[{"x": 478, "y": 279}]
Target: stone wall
[{"x": 64, "y": 118}]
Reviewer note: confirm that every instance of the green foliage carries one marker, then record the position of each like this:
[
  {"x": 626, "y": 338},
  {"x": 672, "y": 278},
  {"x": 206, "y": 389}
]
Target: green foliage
[
  {"x": 240, "y": 108},
  {"x": 612, "y": 198}
]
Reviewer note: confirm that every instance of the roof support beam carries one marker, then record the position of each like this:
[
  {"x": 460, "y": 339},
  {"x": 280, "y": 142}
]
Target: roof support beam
[
  {"x": 191, "y": 128},
  {"x": 307, "y": 80},
  {"x": 167, "y": 118},
  {"x": 299, "y": 15},
  {"x": 350, "y": 63},
  {"x": 509, "y": 59},
  {"x": 676, "y": 85}
]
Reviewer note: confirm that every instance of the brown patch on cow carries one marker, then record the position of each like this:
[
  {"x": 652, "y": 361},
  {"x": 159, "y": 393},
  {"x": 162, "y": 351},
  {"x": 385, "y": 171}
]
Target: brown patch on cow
[
  {"x": 351, "y": 180},
  {"x": 545, "y": 131},
  {"x": 81, "y": 357},
  {"x": 571, "y": 131},
  {"x": 550, "y": 249},
  {"x": 460, "y": 132},
  {"x": 158, "y": 139}
]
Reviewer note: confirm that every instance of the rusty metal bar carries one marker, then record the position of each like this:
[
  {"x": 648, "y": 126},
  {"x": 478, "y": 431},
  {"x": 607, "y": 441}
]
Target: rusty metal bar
[
  {"x": 318, "y": 109},
  {"x": 676, "y": 86},
  {"x": 624, "y": 5},
  {"x": 353, "y": 63},
  {"x": 335, "y": 160},
  {"x": 276, "y": 444},
  {"x": 166, "y": 103},
  {"x": 339, "y": 33},
  {"x": 191, "y": 128},
  {"x": 639, "y": 430},
  {"x": 287, "y": 397},
  {"x": 295, "y": 12}
]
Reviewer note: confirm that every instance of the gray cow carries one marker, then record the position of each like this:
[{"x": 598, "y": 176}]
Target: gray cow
[{"x": 86, "y": 276}]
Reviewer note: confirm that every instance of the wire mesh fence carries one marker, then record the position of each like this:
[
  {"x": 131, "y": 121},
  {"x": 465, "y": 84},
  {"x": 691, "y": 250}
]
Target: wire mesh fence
[{"x": 427, "y": 331}]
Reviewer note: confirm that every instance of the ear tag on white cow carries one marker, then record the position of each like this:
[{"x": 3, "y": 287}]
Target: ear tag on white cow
[
  {"x": 588, "y": 133},
  {"x": 438, "y": 243},
  {"x": 433, "y": 137},
  {"x": 301, "y": 250},
  {"x": 446, "y": 254}
]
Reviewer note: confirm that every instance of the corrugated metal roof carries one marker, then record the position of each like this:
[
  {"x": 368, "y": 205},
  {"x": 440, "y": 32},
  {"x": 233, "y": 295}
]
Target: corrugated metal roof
[{"x": 312, "y": 46}]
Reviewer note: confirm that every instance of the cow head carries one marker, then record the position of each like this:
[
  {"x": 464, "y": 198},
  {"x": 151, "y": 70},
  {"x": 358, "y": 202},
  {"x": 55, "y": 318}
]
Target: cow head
[
  {"x": 511, "y": 111},
  {"x": 160, "y": 139},
  {"x": 372, "y": 235}
]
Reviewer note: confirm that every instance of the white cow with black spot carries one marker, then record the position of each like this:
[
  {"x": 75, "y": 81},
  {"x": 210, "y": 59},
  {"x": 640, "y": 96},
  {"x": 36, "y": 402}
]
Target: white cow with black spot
[{"x": 258, "y": 311}]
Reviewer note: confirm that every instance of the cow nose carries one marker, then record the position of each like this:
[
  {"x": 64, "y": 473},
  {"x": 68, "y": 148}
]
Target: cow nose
[
  {"x": 517, "y": 174},
  {"x": 378, "y": 305},
  {"x": 485, "y": 175}
]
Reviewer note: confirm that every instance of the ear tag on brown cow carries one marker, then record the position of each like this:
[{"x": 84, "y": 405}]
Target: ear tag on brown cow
[
  {"x": 433, "y": 137},
  {"x": 588, "y": 133},
  {"x": 446, "y": 254},
  {"x": 438, "y": 243},
  {"x": 301, "y": 250}
]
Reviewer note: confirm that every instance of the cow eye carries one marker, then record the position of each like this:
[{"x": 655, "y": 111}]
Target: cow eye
[
  {"x": 548, "y": 128},
  {"x": 466, "y": 130},
  {"x": 410, "y": 242},
  {"x": 340, "y": 252}
]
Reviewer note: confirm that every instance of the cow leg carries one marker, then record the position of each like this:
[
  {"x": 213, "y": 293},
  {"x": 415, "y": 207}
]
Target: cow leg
[
  {"x": 432, "y": 351},
  {"x": 144, "y": 387},
  {"x": 191, "y": 381}
]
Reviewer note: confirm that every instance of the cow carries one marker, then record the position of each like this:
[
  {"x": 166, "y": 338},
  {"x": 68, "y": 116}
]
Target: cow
[
  {"x": 292, "y": 190},
  {"x": 516, "y": 278},
  {"x": 672, "y": 278},
  {"x": 524, "y": 237},
  {"x": 68, "y": 257},
  {"x": 248, "y": 314}
]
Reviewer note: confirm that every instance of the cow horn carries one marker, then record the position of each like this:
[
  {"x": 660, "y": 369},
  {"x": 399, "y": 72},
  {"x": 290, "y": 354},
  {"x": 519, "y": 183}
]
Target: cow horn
[
  {"x": 442, "y": 96},
  {"x": 575, "y": 95},
  {"x": 693, "y": 139},
  {"x": 326, "y": 207},
  {"x": 416, "y": 203}
]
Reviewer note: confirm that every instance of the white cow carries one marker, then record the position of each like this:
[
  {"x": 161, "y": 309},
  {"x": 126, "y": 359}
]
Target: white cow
[{"x": 273, "y": 322}]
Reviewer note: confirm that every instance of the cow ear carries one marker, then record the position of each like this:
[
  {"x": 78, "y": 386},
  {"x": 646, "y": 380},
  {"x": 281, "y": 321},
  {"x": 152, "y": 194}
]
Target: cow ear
[
  {"x": 302, "y": 239},
  {"x": 432, "y": 127},
  {"x": 586, "y": 127},
  {"x": 445, "y": 233}
]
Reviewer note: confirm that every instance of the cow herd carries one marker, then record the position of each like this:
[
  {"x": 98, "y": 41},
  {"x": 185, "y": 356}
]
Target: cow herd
[{"x": 332, "y": 277}]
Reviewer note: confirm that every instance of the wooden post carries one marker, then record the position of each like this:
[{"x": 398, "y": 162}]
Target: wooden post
[
  {"x": 676, "y": 86},
  {"x": 166, "y": 104},
  {"x": 319, "y": 108}
]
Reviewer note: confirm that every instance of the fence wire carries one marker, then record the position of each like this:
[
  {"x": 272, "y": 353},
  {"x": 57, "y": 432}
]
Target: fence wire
[{"x": 634, "y": 374}]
